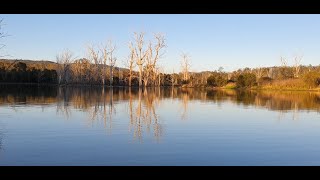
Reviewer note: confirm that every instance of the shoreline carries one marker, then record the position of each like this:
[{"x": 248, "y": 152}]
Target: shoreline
[
  {"x": 265, "y": 89},
  {"x": 183, "y": 87}
]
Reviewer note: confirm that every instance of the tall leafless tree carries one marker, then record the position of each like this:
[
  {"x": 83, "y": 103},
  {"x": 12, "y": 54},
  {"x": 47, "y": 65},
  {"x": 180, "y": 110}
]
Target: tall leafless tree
[
  {"x": 258, "y": 72},
  {"x": 297, "y": 65},
  {"x": 155, "y": 53},
  {"x": 2, "y": 35},
  {"x": 112, "y": 60},
  {"x": 284, "y": 61},
  {"x": 105, "y": 53},
  {"x": 140, "y": 53},
  {"x": 130, "y": 63},
  {"x": 147, "y": 68},
  {"x": 283, "y": 69},
  {"x": 64, "y": 59},
  {"x": 185, "y": 66},
  {"x": 147, "y": 57},
  {"x": 95, "y": 58}
]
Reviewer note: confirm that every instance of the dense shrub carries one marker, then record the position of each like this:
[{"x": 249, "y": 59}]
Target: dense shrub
[
  {"x": 21, "y": 73},
  {"x": 221, "y": 81},
  {"x": 211, "y": 81},
  {"x": 312, "y": 79},
  {"x": 246, "y": 80},
  {"x": 216, "y": 80}
]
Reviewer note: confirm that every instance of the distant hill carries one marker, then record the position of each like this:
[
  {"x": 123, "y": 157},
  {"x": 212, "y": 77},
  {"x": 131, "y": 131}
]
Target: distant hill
[
  {"x": 30, "y": 63},
  {"x": 37, "y": 64}
]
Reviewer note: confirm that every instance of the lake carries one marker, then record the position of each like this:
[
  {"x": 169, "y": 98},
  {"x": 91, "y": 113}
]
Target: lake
[{"x": 47, "y": 125}]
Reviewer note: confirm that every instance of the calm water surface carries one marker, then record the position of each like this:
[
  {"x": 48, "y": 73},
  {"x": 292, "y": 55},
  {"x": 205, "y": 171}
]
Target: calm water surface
[{"x": 167, "y": 126}]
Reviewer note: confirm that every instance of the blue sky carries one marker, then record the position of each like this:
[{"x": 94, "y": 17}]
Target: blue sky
[{"x": 230, "y": 41}]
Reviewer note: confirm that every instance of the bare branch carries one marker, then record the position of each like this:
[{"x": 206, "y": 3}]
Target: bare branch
[
  {"x": 64, "y": 60},
  {"x": 2, "y": 35},
  {"x": 284, "y": 61},
  {"x": 297, "y": 65},
  {"x": 185, "y": 65}
]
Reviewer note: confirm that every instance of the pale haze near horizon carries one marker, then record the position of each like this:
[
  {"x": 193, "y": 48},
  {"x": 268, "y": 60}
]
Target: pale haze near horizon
[{"x": 229, "y": 41}]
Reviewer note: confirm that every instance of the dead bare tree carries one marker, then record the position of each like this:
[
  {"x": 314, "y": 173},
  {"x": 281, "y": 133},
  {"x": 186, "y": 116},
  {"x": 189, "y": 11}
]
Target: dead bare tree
[
  {"x": 105, "y": 53},
  {"x": 112, "y": 60},
  {"x": 158, "y": 72},
  {"x": 130, "y": 62},
  {"x": 173, "y": 81},
  {"x": 64, "y": 60},
  {"x": 2, "y": 35},
  {"x": 146, "y": 58},
  {"x": 185, "y": 66},
  {"x": 259, "y": 72},
  {"x": 147, "y": 68},
  {"x": 283, "y": 69},
  {"x": 140, "y": 53},
  {"x": 284, "y": 61},
  {"x": 94, "y": 57},
  {"x": 270, "y": 72},
  {"x": 297, "y": 65},
  {"x": 155, "y": 54}
]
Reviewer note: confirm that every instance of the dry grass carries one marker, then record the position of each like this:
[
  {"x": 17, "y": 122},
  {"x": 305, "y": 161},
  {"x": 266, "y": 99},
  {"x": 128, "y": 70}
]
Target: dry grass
[
  {"x": 287, "y": 84},
  {"x": 230, "y": 85}
]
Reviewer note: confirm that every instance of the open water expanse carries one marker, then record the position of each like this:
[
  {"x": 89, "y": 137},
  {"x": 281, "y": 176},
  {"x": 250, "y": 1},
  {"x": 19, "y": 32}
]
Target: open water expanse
[{"x": 47, "y": 125}]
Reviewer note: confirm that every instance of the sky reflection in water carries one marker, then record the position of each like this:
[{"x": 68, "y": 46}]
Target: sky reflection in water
[{"x": 157, "y": 126}]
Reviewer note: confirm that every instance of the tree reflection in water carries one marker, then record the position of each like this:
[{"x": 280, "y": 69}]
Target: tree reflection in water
[
  {"x": 100, "y": 104},
  {"x": 185, "y": 93},
  {"x": 142, "y": 113}
]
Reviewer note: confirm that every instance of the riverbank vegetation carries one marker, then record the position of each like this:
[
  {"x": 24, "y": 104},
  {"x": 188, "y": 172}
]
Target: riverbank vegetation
[
  {"x": 83, "y": 72},
  {"x": 141, "y": 68}
]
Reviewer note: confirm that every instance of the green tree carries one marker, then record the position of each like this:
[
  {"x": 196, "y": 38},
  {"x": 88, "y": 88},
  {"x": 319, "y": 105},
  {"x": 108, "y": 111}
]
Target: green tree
[
  {"x": 217, "y": 79},
  {"x": 246, "y": 80}
]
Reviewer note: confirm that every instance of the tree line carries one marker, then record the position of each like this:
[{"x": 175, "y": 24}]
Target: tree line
[
  {"x": 83, "y": 72},
  {"x": 142, "y": 69},
  {"x": 21, "y": 71},
  {"x": 285, "y": 76},
  {"x": 98, "y": 67}
]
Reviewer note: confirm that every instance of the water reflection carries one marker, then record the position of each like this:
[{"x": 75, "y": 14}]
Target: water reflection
[
  {"x": 142, "y": 104},
  {"x": 90, "y": 98},
  {"x": 143, "y": 115},
  {"x": 192, "y": 126}
]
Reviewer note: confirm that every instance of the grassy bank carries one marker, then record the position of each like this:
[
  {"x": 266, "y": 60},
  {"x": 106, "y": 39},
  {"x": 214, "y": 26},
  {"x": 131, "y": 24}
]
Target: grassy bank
[
  {"x": 287, "y": 84},
  {"x": 283, "y": 88},
  {"x": 279, "y": 85}
]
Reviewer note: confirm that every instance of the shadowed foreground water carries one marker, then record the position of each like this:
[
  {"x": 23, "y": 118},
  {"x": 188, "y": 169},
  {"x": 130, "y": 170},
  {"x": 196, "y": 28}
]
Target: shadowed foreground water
[{"x": 47, "y": 125}]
